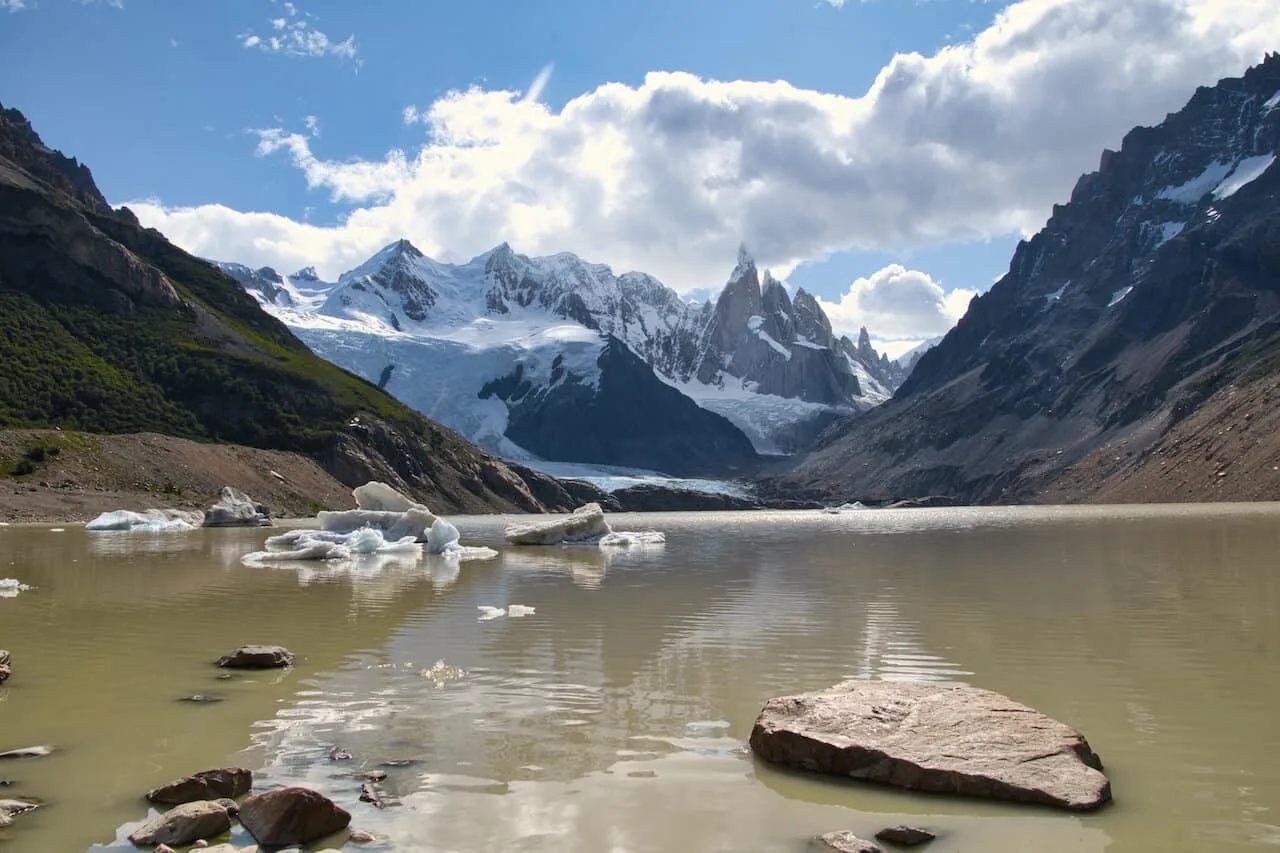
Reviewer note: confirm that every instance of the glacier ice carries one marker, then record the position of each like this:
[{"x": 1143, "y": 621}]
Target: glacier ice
[
  {"x": 633, "y": 539},
  {"x": 149, "y": 521},
  {"x": 441, "y": 535},
  {"x": 515, "y": 611},
  {"x": 326, "y": 545},
  {"x": 487, "y": 612}
]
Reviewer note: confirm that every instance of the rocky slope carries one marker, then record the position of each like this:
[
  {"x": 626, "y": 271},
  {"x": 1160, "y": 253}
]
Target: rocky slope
[
  {"x": 1155, "y": 286},
  {"x": 445, "y": 338},
  {"x": 107, "y": 327}
]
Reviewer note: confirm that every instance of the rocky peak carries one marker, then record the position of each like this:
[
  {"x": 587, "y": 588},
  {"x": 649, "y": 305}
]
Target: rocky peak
[
  {"x": 20, "y": 144},
  {"x": 865, "y": 349},
  {"x": 269, "y": 274},
  {"x": 306, "y": 274},
  {"x": 811, "y": 321}
]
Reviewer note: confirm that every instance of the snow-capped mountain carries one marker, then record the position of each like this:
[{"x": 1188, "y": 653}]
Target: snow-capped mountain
[
  {"x": 560, "y": 359},
  {"x": 1155, "y": 285}
]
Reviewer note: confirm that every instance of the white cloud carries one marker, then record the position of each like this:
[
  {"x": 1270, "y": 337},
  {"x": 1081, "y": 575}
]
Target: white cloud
[
  {"x": 13, "y": 5},
  {"x": 313, "y": 126},
  {"x": 897, "y": 304},
  {"x": 292, "y": 36},
  {"x": 979, "y": 139}
]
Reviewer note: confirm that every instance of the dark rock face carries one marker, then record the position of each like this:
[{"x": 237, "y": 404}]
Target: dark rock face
[
  {"x": 257, "y": 657},
  {"x": 183, "y": 825},
  {"x": 291, "y": 816},
  {"x": 653, "y": 498},
  {"x": 1152, "y": 288},
  {"x": 945, "y": 740},
  {"x": 223, "y": 783},
  {"x": 631, "y": 418}
]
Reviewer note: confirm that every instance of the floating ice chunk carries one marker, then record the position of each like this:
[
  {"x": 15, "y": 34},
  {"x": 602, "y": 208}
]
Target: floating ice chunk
[
  {"x": 381, "y": 497},
  {"x": 10, "y": 587},
  {"x": 632, "y": 538},
  {"x": 462, "y": 553},
  {"x": 515, "y": 611},
  {"x": 326, "y": 545},
  {"x": 151, "y": 521},
  {"x": 235, "y": 509},
  {"x": 585, "y": 524},
  {"x": 487, "y": 612},
  {"x": 441, "y": 536},
  {"x": 844, "y": 507}
]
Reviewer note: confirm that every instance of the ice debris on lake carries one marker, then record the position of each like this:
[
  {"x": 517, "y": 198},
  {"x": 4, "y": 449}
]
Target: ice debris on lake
[
  {"x": 149, "y": 521},
  {"x": 845, "y": 507},
  {"x": 515, "y": 611},
  {"x": 10, "y": 587},
  {"x": 381, "y": 507},
  {"x": 235, "y": 509},
  {"x": 325, "y": 545},
  {"x": 586, "y": 525}
]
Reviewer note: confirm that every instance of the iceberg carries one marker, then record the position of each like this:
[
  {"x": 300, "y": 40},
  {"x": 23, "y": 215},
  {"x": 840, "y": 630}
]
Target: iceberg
[
  {"x": 382, "y": 508},
  {"x": 150, "y": 521},
  {"x": 235, "y": 509},
  {"x": 584, "y": 524},
  {"x": 10, "y": 587},
  {"x": 515, "y": 611},
  {"x": 298, "y": 545},
  {"x": 441, "y": 536},
  {"x": 845, "y": 507}
]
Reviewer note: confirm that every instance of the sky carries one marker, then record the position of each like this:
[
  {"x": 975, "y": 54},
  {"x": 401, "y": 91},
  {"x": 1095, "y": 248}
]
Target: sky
[{"x": 886, "y": 155}]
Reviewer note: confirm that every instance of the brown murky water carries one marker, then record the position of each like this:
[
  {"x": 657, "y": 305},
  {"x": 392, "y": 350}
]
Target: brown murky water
[{"x": 614, "y": 718}]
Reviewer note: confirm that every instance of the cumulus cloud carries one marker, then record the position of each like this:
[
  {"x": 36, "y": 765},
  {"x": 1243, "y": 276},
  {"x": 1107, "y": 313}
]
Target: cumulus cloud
[
  {"x": 13, "y": 5},
  {"x": 898, "y": 304},
  {"x": 295, "y": 35},
  {"x": 670, "y": 176}
]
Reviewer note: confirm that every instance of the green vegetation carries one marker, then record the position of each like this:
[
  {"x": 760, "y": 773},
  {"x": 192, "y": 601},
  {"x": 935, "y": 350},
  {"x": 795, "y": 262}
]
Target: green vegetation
[
  {"x": 37, "y": 451},
  {"x": 76, "y": 355}
]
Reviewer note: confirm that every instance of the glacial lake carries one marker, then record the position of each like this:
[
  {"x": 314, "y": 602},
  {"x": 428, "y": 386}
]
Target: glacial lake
[{"x": 615, "y": 717}]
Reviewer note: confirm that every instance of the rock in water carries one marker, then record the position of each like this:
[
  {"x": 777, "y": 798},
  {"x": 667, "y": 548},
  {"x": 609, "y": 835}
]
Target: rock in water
[
  {"x": 907, "y": 836},
  {"x": 954, "y": 740},
  {"x": 183, "y": 824},
  {"x": 584, "y": 524},
  {"x": 217, "y": 784},
  {"x": 235, "y": 509},
  {"x": 291, "y": 816},
  {"x": 845, "y": 842},
  {"x": 5, "y": 661},
  {"x": 257, "y": 657}
]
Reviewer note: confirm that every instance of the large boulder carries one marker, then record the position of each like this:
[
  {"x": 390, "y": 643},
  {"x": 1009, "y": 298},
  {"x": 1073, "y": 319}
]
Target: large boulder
[
  {"x": 584, "y": 524},
  {"x": 183, "y": 824},
  {"x": 235, "y": 509},
  {"x": 227, "y": 782},
  {"x": 291, "y": 816},
  {"x": 923, "y": 737},
  {"x": 257, "y": 657},
  {"x": 845, "y": 842}
]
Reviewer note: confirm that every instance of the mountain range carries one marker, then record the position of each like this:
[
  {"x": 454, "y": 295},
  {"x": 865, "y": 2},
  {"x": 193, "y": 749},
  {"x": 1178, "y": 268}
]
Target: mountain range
[
  {"x": 551, "y": 358},
  {"x": 1153, "y": 291}
]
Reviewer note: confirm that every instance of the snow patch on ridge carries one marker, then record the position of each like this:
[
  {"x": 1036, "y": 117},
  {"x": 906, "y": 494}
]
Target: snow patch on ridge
[
  {"x": 1195, "y": 189},
  {"x": 1245, "y": 172}
]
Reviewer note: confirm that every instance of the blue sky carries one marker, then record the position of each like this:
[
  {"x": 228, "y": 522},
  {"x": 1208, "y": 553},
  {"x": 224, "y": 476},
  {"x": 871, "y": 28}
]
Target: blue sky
[{"x": 892, "y": 201}]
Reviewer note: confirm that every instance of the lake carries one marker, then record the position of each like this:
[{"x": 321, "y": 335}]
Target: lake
[{"x": 615, "y": 716}]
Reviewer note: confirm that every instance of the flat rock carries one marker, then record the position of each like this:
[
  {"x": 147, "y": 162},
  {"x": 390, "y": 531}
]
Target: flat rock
[
  {"x": 222, "y": 783},
  {"x": 952, "y": 740},
  {"x": 28, "y": 752},
  {"x": 183, "y": 824},
  {"x": 291, "y": 816},
  {"x": 907, "y": 836},
  {"x": 257, "y": 657},
  {"x": 845, "y": 842}
]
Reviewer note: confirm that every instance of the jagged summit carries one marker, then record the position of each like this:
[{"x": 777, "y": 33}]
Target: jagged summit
[{"x": 306, "y": 274}]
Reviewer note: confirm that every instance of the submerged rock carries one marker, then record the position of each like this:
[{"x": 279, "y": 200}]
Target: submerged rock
[
  {"x": 845, "y": 842},
  {"x": 235, "y": 509},
  {"x": 954, "y": 740},
  {"x": 257, "y": 657},
  {"x": 227, "y": 782},
  {"x": 183, "y": 824},
  {"x": 291, "y": 816},
  {"x": 907, "y": 836},
  {"x": 585, "y": 524}
]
